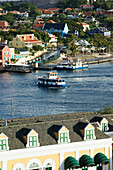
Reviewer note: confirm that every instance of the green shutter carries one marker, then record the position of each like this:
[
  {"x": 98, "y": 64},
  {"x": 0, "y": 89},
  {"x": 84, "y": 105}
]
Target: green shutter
[
  {"x": 33, "y": 141},
  {"x": 3, "y": 144},
  {"x": 63, "y": 137},
  {"x": 89, "y": 134},
  {"x": 104, "y": 126}
]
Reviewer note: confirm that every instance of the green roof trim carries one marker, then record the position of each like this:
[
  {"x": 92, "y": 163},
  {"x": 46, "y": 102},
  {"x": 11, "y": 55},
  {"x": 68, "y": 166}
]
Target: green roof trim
[
  {"x": 100, "y": 158},
  {"x": 71, "y": 162},
  {"x": 86, "y": 160}
]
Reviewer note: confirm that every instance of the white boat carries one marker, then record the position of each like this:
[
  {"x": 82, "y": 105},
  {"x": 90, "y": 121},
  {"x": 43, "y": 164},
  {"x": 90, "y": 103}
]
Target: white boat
[
  {"x": 21, "y": 68},
  {"x": 51, "y": 80},
  {"x": 68, "y": 64}
]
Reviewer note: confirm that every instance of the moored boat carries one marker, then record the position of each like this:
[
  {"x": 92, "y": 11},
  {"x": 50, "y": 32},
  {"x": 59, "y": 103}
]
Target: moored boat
[
  {"x": 20, "y": 68},
  {"x": 68, "y": 64},
  {"x": 51, "y": 80}
]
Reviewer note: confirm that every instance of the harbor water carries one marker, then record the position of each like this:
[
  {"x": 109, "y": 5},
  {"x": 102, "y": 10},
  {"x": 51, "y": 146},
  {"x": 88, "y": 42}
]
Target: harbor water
[{"x": 86, "y": 90}]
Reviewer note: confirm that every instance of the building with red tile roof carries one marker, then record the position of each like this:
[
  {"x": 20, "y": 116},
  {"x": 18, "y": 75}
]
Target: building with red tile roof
[
  {"x": 4, "y": 24},
  {"x": 25, "y": 40},
  {"x": 51, "y": 21}
]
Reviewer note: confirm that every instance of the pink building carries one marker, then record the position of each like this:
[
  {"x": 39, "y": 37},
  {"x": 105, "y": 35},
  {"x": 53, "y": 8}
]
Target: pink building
[{"x": 5, "y": 55}]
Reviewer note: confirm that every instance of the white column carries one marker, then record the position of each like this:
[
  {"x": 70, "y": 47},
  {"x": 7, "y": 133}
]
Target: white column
[
  {"x": 4, "y": 165},
  {"x": 111, "y": 157},
  {"x": 61, "y": 161}
]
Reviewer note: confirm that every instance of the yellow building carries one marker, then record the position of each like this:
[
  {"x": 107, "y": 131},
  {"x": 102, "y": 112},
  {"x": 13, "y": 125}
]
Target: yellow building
[
  {"x": 56, "y": 142},
  {"x": 25, "y": 40}
]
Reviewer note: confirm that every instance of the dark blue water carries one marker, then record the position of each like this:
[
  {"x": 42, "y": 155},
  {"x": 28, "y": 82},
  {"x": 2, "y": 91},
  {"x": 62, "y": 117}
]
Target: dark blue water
[{"x": 87, "y": 90}]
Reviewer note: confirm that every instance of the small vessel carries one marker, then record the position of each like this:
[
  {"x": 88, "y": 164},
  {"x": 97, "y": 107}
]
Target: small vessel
[
  {"x": 69, "y": 64},
  {"x": 20, "y": 68},
  {"x": 51, "y": 80}
]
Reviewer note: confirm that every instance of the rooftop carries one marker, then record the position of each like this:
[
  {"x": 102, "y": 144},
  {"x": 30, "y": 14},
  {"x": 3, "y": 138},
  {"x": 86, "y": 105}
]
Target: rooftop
[{"x": 46, "y": 125}]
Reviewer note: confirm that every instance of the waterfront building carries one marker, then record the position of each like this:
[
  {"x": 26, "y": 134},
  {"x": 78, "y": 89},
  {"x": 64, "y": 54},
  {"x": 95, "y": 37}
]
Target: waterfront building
[
  {"x": 56, "y": 142},
  {"x": 25, "y": 40},
  {"x": 5, "y": 55}
]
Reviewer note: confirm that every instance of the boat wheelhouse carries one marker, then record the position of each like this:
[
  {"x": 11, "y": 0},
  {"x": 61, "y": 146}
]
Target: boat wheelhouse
[{"x": 51, "y": 80}]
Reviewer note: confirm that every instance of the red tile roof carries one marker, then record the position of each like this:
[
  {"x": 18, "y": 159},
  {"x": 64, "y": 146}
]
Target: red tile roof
[
  {"x": 48, "y": 12},
  {"x": 53, "y": 9},
  {"x": 51, "y": 21}
]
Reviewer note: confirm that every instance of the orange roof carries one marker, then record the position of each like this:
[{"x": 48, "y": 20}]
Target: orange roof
[
  {"x": 3, "y": 24},
  {"x": 68, "y": 8},
  {"x": 84, "y": 23},
  {"x": 41, "y": 9},
  {"x": 53, "y": 9},
  {"x": 38, "y": 25},
  {"x": 48, "y": 12},
  {"x": 30, "y": 38},
  {"x": 14, "y": 12},
  {"x": 51, "y": 21}
]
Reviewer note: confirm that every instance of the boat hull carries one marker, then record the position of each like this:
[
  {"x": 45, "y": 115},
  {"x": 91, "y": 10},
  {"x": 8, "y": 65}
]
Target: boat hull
[
  {"x": 71, "y": 68},
  {"x": 53, "y": 86}
]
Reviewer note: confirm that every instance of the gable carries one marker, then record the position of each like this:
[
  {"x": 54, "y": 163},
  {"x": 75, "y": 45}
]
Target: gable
[
  {"x": 89, "y": 126},
  {"x": 104, "y": 120},
  {"x": 32, "y": 133},
  {"x": 63, "y": 129},
  {"x": 3, "y": 136}
]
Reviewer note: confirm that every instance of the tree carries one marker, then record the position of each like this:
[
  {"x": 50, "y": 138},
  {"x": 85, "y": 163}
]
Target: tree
[
  {"x": 38, "y": 48},
  {"x": 106, "y": 110}
]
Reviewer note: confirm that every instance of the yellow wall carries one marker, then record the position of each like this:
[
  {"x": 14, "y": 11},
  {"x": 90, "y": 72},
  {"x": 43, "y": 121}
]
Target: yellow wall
[
  {"x": 2, "y": 136},
  {"x": 73, "y": 154},
  {"x": 32, "y": 133},
  {"x": 63, "y": 129},
  {"x": 108, "y": 156},
  {"x": 1, "y": 164},
  {"x": 55, "y": 157},
  {"x": 102, "y": 150},
  {"x": 14, "y": 41},
  {"x": 104, "y": 120},
  {"x": 89, "y": 126},
  {"x": 84, "y": 152}
]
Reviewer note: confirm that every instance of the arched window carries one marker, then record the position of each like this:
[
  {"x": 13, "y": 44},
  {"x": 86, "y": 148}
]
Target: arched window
[
  {"x": 34, "y": 164},
  {"x": 49, "y": 164},
  {"x": 48, "y": 167},
  {"x": 19, "y": 166}
]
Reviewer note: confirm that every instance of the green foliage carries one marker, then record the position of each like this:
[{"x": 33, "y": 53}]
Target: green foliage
[
  {"x": 106, "y": 110},
  {"x": 42, "y": 36},
  {"x": 70, "y": 3},
  {"x": 10, "y": 18},
  {"x": 37, "y": 48},
  {"x": 17, "y": 51},
  {"x": 103, "y": 4}
]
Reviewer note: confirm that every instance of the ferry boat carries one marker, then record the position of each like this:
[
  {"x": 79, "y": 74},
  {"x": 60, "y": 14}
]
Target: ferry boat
[
  {"x": 21, "y": 68},
  {"x": 68, "y": 64},
  {"x": 51, "y": 80}
]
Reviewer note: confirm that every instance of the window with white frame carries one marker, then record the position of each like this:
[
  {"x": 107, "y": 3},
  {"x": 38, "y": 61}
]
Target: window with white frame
[
  {"x": 89, "y": 134},
  {"x": 104, "y": 127},
  {"x": 32, "y": 141},
  {"x": 63, "y": 137},
  {"x": 3, "y": 144}
]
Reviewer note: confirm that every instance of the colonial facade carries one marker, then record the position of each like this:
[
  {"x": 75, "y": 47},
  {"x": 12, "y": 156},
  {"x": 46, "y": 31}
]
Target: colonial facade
[
  {"x": 57, "y": 142},
  {"x": 5, "y": 54},
  {"x": 25, "y": 40}
]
